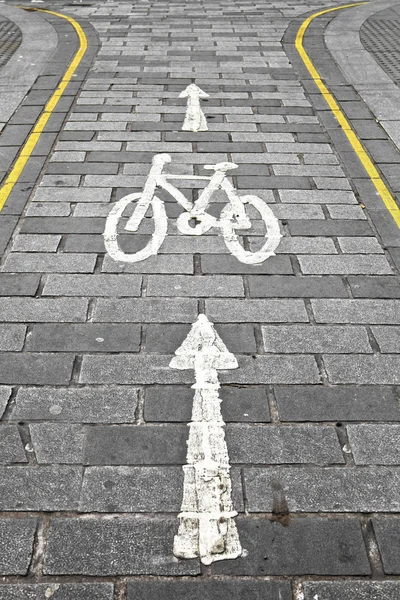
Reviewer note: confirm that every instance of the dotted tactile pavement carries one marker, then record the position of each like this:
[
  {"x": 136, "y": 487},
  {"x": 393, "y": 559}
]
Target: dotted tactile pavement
[
  {"x": 10, "y": 39},
  {"x": 380, "y": 35}
]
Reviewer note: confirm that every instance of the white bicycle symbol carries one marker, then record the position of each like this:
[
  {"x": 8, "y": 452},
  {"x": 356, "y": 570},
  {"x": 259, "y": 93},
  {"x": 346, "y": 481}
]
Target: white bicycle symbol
[{"x": 233, "y": 215}]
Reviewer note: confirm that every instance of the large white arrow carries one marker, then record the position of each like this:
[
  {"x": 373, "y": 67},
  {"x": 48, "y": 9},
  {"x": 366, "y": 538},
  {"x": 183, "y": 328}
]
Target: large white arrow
[
  {"x": 194, "y": 119},
  {"x": 207, "y": 529}
]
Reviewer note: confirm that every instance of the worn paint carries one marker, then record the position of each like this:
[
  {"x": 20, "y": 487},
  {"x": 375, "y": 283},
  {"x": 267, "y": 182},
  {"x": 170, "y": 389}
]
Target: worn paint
[
  {"x": 194, "y": 118},
  {"x": 207, "y": 528}
]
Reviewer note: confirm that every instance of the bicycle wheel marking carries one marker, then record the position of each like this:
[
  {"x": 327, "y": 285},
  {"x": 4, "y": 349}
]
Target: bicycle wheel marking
[
  {"x": 233, "y": 215},
  {"x": 194, "y": 119},
  {"x": 207, "y": 528}
]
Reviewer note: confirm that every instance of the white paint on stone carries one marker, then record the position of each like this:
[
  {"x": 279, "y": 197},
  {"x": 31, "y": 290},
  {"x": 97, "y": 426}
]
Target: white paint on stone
[
  {"x": 194, "y": 118},
  {"x": 207, "y": 529},
  {"x": 195, "y": 221}
]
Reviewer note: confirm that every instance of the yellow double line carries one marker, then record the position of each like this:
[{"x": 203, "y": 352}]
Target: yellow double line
[
  {"x": 358, "y": 148},
  {"x": 33, "y": 138}
]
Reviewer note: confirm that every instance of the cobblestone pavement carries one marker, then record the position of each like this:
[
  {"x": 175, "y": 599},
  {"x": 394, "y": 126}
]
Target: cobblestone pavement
[{"x": 93, "y": 423}]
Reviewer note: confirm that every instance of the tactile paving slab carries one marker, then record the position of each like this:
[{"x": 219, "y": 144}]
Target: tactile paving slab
[
  {"x": 380, "y": 35},
  {"x": 10, "y": 39}
]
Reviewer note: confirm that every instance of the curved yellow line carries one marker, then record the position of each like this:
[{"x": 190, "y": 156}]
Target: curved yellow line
[
  {"x": 33, "y": 138},
  {"x": 358, "y": 148}
]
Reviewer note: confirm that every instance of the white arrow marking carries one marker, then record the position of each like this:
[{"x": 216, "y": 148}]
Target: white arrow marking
[
  {"x": 207, "y": 529},
  {"x": 194, "y": 119}
]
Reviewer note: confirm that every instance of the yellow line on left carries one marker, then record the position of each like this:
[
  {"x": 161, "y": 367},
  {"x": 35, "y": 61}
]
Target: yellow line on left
[{"x": 34, "y": 137}]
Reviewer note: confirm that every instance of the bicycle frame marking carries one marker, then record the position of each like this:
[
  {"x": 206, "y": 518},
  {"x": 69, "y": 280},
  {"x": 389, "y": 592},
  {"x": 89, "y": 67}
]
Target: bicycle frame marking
[{"x": 233, "y": 215}]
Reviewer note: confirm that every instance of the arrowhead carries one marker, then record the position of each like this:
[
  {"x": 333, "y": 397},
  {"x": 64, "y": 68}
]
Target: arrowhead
[
  {"x": 193, "y": 90},
  {"x": 203, "y": 340}
]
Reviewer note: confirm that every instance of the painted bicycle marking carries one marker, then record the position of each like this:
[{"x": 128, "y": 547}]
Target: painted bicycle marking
[
  {"x": 194, "y": 118},
  {"x": 233, "y": 215}
]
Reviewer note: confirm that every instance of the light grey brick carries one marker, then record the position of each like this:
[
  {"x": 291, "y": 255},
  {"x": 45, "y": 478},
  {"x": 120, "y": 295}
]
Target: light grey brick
[
  {"x": 264, "y": 158},
  {"x": 388, "y": 338},
  {"x": 35, "y": 368},
  {"x": 313, "y": 339},
  {"x": 333, "y": 183},
  {"x": 215, "y": 285},
  {"x": 61, "y": 591},
  {"x": 92, "y": 285},
  {"x": 69, "y": 156},
  {"x": 267, "y": 311},
  {"x": 301, "y": 245},
  {"x": 5, "y": 393},
  {"x": 352, "y": 590},
  {"x": 269, "y": 444},
  {"x": 346, "y": 212},
  {"x": 145, "y": 310},
  {"x": 361, "y": 369},
  {"x": 159, "y": 147},
  {"x": 48, "y": 209},
  {"x": 36, "y": 243},
  {"x": 111, "y": 404},
  {"x": 11, "y": 448},
  {"x": 12, "y": 337},
  {"x": 295, "y": 211},
  {"x": 278, "y": 368},
  {"x": 51, "y": 310},
  {"x": 345, "y": 264},
  {"x": 56, "y": 194},
  {"x": 173, "y": 263},
  {"x": 317, "y": 197},
  {"x": 333, "y": 489},
  {"x": 57, "y": 442},
  {"x": 298, "y": 148},
  {"x": 40, "y": 489},
  {"x": 16, "y": 543},
  {"x": 357, "y": 311},
  {"x": 69, "y": 181},
  {"x": 352, "y": 245},
  {"x": 91, "y": 146},
  {"x": 388, "y": 535},
  {"x": 374, "y": 444},
  {"x": 308, "y": 170},
  {"x": 50, "y": 263}
]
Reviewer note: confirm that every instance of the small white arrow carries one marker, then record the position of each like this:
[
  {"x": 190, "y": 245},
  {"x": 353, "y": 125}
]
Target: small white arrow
[
  {"x": 194, "y": 119},
  {"x": 207, "y": 529}
]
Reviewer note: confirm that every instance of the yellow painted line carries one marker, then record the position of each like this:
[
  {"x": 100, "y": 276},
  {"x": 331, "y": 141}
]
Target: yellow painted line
[
  {"x": 34, "y": 137},
  {"x": 358, "y": 148}
]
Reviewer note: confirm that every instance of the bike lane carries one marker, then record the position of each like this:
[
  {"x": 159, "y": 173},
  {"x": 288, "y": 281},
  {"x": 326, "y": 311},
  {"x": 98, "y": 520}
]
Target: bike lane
[{"x": 99, "y": 409}]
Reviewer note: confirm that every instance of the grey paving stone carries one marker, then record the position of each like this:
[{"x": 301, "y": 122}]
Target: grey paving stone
[
  {"x": 352, "y": 590},
  {"x": 36, "y": 243},
  {"x": 360, "y": 245},
  {"x": 46, "y": 309},
  {"x": 56, "y": 443},
  {"x": 357, "y": 311},
  {"x": 127, "y": 546},
  {"x": 11, "y": 448},
  {"x": 375, "y": 444},
  {"x": 7, "y": 225},
  {"x": 92, "y": 285},
  {"x": 26, "y": 262},
  {"x": 224, "y": 285},
  {"x": 313, "y": 339},
  {"x": 346, "y": 212},
  {"x": 111, "y": 404},
  {"x": 236, "y": 589},
  {"x": 374, "y": 287},
  {"x": 62, "y": 225},
  {"x": 35, "y": 368},
  {"x": 174, "y": 403},
  {"x": 269, "y": 311},
  {"x": 299, "y": 245},
  {"x": 48, "y": 209},
  {"x": 85, "y": 337},
  {"x": 361, "y": 369},
  {"x": 345, "y": 264},
  {"x": 216, "y": 263},
  {"x": 136, "y": 445},
  {"x": 16, "y": 544},
  {"x": 173, "y": 263},
  {"x": 387, "y": 533},
  {"x": 388, "y": 338},
  {"x": 12, "y": 337},
  {"x": 132, "y": 489},
  {"x": 15, "y": 284},
  {"x": 317, "y": 196},
  {"x": 282, "y": 286},
  {"x": 315, "y": 489},
  {"x": 58, "y": 591},
  {"x": 330, "y": 227},
  {"x": 146, "y": 310},
  {"x": 165, "y": 339},
  {"x": 40, "y": 488},
  {"x": 338, "y": 403},
  {"x": 5, "y": 393},
  {"x": 268, "y": 444},
  {"x": 334, "y": 547}
]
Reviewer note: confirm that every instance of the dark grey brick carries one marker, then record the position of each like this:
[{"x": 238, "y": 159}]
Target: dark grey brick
[
  {"x": 5, "y": 393},
  {"x": 361, "y": 369},
  {"x": 352, "y": 590},
  {"x": 270, "y": 444},
  {"x": 40, "y": 488},
  {"x": 278, "y": 368},
  {"x": 387, "y": 533},
  {"x": 126, "y": 546},
  {"x": 35, "y": 369},
  {"x": 57, "y": 443},
  {"x": 165, "y": 339},
  {"x": 171, "y": 263},
  {"x": 217, "y": 263},
  {"x": 7, "y": 225},
  {"x": 43, "y": 309},
  {"x": 136, "y": 445},
  {"x": 146, "y": 310},
  {"x": 92, "y": 285},
  {"x": 16, "y": 545},
  {"x": 85, "y": 337},
  {"x": 375, "y": 444},
  {"x": 334, "y": 547},
  {"x": 174, "y": 403},
  {"x": 12, "y": 337},
  {"x": 63, "y": 225},
  {"x": 313, "y": 339},
  {"x": 109, "y": 404},
  {"x": 388, "y": 338},
  {"x": 333, "y": 489},
  {"x": 11, "y": 448},
  {"x": 296, "y": 287},
  {"x": 40, "y": 262},
  {"x": 181, "y": 285},
  {"x": 58, "y": 591},
  {"x": 374, "y": 287},
  {"x": 235, "y": 589},
  {"x": 338, "y": 403},
  {"x": 15, "y": 284}
]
